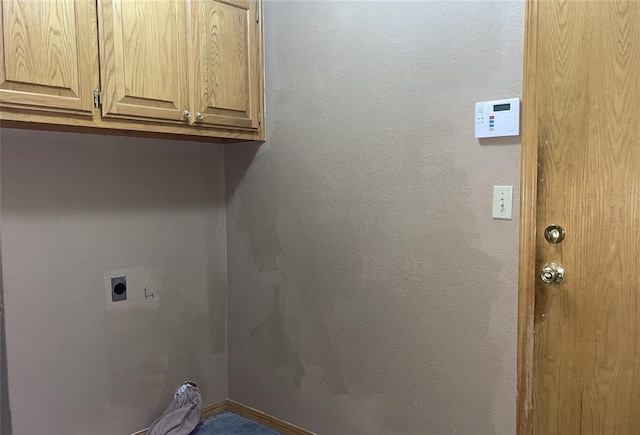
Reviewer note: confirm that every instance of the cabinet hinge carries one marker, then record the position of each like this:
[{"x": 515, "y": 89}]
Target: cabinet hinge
[
  {"x": 257, "y": 15},
  {"x": 97, "y": 98},
  {"x": 259, "y": 118}
]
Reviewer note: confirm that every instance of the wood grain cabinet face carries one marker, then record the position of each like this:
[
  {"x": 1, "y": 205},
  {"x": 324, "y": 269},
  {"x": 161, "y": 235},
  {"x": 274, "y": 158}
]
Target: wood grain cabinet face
[
  {"x": 47, "y": 55},
  {"x": 225, "y": 62},
  {"x": 143, "y": 59},
  {"x": 180, "y": 67}
]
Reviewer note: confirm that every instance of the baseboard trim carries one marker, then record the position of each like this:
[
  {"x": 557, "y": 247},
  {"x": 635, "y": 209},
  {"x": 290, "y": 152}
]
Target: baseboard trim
[
  {"x": 213, "y": 410},
  {"x": 140, "y": 432},
  {"x": 265, "y": 419},
  {"x": 250, "y": 413}
]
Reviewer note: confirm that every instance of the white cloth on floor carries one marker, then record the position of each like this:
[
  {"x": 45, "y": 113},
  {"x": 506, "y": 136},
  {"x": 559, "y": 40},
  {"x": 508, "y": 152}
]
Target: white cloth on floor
[{"x": 182, "y": 415}]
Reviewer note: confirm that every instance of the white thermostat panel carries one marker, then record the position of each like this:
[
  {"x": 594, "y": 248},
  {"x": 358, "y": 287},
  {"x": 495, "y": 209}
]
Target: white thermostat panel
[{"x": 498, "y": 118}]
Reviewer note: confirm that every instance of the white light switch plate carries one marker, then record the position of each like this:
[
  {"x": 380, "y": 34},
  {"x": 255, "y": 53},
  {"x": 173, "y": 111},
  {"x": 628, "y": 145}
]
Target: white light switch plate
[{"x": 502, "y": 198}]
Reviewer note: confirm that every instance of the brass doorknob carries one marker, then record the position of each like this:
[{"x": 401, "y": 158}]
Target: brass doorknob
[{"x": 552, "y": 273}]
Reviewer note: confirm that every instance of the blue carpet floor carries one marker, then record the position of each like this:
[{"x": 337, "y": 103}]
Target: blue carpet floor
[{"x": 229, "y": 423}]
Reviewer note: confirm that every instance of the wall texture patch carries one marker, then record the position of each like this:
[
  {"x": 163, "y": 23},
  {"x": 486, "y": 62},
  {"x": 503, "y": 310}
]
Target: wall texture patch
[
  {"x": 369, "y": 209},
  {"x": 76, "y": 210}
]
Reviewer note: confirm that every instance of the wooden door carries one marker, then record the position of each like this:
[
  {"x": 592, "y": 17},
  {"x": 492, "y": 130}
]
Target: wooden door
[
  {"x": 582, "y": 92},
  {"x": 47, "y": 55},
  {"x": 225, "y": 59},
  {"x": 143, "y": 59}
]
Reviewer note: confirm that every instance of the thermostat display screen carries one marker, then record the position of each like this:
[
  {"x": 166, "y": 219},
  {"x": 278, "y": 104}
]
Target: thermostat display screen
[{"x": 501, "y": 107}]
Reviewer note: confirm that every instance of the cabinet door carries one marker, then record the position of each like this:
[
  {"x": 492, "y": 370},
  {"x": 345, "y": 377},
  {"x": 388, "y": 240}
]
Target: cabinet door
[
  {"x": 47, "y": 55},
  {"x": 143, "y": 59},
  {"x": 225, "y": 59}
]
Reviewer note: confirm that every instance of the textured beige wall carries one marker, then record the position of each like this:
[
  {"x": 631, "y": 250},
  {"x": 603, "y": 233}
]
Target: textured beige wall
[
  {"x": 5, "y": 425},
  {"x": 76, "y": 209},
  {"x": 370, "y": 291}
]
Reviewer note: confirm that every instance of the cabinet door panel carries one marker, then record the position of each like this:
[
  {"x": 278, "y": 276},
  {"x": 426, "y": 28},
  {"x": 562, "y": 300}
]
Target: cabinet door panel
[
  {"x": 143, "y": 59},
  {"x": 47, "y": 54},
  {"x": 225, "y": 55}
]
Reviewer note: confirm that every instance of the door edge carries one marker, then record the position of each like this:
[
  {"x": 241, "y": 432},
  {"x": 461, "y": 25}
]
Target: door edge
[{"x": 527, "y": 232}]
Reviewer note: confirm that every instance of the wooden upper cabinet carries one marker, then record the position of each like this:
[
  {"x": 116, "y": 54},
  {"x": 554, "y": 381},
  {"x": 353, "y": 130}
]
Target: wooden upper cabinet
[
  {"x": 225, "y": 83},
  {"x": 48, "y": 55},
  {"x": 179, "y": 67},
  {"x": 143, "y": 59}
]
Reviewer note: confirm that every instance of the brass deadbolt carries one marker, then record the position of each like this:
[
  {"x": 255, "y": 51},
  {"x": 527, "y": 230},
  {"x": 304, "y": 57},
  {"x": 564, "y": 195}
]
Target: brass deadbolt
[{"x": 554, "y": 233}]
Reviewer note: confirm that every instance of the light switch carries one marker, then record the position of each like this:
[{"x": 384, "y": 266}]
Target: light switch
[{"x": 502, "y": 197}]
